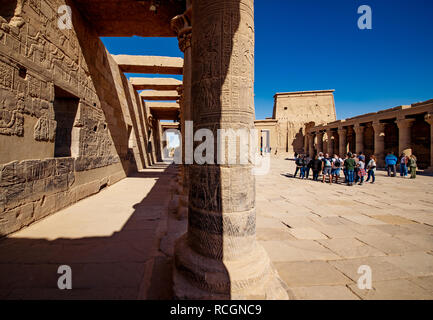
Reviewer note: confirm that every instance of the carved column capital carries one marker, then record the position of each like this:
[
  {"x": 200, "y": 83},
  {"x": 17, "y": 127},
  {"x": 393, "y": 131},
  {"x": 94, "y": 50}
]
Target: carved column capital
[
  {"x": 378, "y": 127},
  {"x": 358, "y": 128},
  {"x": 404, "y": 123},
  {"x": 330, "y": 133},
  {"x": 181, "y": 25},
  {"x": 429, "y": 118},
  {"x": 342, "y": 131}
]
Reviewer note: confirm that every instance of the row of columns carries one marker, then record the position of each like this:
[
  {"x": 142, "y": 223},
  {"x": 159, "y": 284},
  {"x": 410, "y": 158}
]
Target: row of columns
[{"x": 404, "y": 126}]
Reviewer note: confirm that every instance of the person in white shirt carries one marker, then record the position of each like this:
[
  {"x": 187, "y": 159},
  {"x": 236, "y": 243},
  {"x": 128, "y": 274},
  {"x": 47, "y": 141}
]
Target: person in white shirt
[{"x": 371, "y": 169}]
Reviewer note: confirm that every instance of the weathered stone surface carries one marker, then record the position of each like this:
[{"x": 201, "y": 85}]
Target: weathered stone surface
[
  {"x": 401, "y": 289},
  {"x": 45, "y": 130},
  {"x": 60, "y": 91},
  {"x": 398, "y": 252},
  {"x": 350, "y": 248},
  {"x": 149, "y": 64},
  {"x": 219, "y": 257},
  {"x": 15, "y": 219},
  {"x": 337, "y": 292},
  {"x": 292, "y": 112},
  {"x": 300, "y": 274}
]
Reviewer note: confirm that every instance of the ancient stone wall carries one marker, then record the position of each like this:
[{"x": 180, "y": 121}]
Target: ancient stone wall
[
  {"x": 266, "y": 125},
  {"x": 63, "y": 129},
  {"x": 294, "y": 110}
]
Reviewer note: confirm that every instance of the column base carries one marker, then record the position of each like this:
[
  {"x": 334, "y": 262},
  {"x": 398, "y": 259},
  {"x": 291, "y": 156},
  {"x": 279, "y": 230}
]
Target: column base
[
  {"x": 196, "y": 277},
  {"x": 182, "y": 210}
]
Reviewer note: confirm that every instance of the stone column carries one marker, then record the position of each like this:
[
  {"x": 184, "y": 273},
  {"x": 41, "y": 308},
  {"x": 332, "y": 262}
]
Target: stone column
[
  {"x": 182, "y": 26},
  {"x": 330, "y": 135},
  {"x": 319, "y": 136},
  {"x": 311, "y": 145},
  {"x": 156, "y": 140},
  {"x": 429, "y": 118},
  {"x": 404, "y": 136},
  {"x": 379, "y": 143},
  {"x": 342, "y": 148},
  {"x": 359, "y": 136},
  {"x": 219, "y": 257},
  {"x": 182, "y": 126}
]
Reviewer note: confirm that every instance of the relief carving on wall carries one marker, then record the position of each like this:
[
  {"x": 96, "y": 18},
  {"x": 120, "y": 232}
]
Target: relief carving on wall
[
  {"x": 45, "y": 130},
  {"x": 11, "y": 123}
]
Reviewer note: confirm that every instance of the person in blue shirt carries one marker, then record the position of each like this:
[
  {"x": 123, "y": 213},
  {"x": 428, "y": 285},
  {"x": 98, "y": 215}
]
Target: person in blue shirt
[{"x": 391, "y": 161}]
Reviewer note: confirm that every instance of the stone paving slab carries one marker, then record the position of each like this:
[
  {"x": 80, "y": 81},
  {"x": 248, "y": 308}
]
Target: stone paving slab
[
  {"x": 307, "y": 234},
  {"x": 388, "y": 244},
  {"x": 416, "y": 263},
  {"x": 275, "y": 234},
  {"x": 297, "y": 250},
  {"x": 399, "y": 289},
  {"x": 337, "y": 292},
  {"x": 380, "y": 268},
  {"x": 393, "y": 219},
  {"x": 336, "y": 229},
  {"x": 424, "y": 282},
  {"x": 111, "y": 241},
  {"x": 310, "y": 273},
  {"x": 350, "y": 248}
]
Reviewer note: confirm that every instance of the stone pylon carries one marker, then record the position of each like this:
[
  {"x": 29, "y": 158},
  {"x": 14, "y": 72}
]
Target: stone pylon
[{"x": 219, "y": 257}]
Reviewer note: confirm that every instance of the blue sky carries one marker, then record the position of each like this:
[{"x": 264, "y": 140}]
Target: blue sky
[{"x": 316, "y": 44}]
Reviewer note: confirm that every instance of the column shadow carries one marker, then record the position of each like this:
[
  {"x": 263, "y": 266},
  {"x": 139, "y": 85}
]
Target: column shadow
[{"x": 126, "y": 265}]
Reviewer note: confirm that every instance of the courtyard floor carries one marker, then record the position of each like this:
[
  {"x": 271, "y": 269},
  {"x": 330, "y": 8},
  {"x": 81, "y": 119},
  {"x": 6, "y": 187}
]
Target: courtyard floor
[
  {"x": 119, "y": 242},
  {"x": 318, "y": 235}
]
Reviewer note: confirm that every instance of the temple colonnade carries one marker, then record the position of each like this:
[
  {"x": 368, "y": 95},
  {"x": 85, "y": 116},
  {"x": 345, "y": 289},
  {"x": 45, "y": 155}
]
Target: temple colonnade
[{"x": 404, "y": 129}]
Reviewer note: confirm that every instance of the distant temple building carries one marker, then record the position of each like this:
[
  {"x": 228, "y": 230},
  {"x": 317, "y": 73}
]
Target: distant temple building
[
  {"x": 305, "y": 122},
  {"x": 285, "y": 131}
]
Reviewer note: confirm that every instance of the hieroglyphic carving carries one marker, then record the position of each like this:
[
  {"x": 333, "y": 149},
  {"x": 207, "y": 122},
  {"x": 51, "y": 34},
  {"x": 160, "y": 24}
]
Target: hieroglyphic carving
[
  {"x": 37, "y": 43},
  {"x": 45, "y": 130},
  {"x": 181, "y": 25},
  {"x": 6, "y": 75},
  {"x": 34, "y": 86},
  {"x": 11, "y": 123},
  {"x": 35, "y": 5},
  {"x": 221, "y": 216}
]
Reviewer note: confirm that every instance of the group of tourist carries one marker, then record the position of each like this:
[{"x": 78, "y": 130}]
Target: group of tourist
[
  {"x": 354, "y": 166},
  {"x": 407, "y": 164}
]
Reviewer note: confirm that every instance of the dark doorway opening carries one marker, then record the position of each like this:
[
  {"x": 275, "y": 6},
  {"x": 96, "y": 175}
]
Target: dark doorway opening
[
  {"x": 420, "y": 136},
  {"x": 7, "y": 9},
  {"x": 65, "y": 111}
]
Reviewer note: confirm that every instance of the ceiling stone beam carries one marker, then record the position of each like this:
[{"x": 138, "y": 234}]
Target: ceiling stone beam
[
  {"x": 149, "y": 64},
  {"x": 155, "y": 83},
  {"x": 155, "y": 95}
]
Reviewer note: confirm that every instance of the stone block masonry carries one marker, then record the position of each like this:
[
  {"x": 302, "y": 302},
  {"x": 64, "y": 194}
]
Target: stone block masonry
[{"x": 65, "y": 109}]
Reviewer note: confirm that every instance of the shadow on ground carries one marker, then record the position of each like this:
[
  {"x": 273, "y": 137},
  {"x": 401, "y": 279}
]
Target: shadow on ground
[{"x": 125, "y": 265}]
